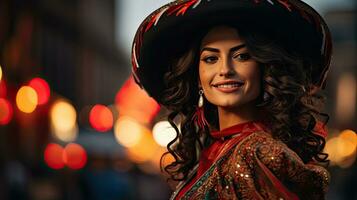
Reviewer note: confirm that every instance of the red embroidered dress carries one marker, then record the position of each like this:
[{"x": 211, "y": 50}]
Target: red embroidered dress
[{"x": 245, "y": 162}]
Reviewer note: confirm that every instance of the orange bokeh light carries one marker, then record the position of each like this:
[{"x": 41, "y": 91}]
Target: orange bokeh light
[
  {"x": 42, "y": 89},
  {"x": 6, "y": 111},
  {"x": 144, "y": 150},
  {"x": 128, "y": 132},
  {"x": 53, "y": 156},
  {"x": 74, "y": 156},
  {"x": 132, "y": 101},
  {"x": 26, "y": 99},
  {"x": 101, "y": 118}
]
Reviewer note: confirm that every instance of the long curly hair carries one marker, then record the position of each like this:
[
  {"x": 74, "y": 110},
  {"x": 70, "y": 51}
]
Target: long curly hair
[{"x": 292, "y": 109}]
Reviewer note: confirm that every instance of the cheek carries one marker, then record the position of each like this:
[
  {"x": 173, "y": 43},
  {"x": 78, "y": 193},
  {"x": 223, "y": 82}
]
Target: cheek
[
  {"x": 256, "y": 86},
  {"x": 253, "y": 76},
  {"x": 204, "y": 77}
]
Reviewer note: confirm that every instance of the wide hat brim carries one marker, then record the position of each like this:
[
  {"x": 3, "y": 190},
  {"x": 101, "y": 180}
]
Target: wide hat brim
[{"x": 170, "y": 30}]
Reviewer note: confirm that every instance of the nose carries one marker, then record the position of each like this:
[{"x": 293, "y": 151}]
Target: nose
[{"x": 226, "y": 68}]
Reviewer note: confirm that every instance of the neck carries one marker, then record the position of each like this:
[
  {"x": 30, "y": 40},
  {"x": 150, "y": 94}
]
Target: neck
[{"x": 229, "y": 117}]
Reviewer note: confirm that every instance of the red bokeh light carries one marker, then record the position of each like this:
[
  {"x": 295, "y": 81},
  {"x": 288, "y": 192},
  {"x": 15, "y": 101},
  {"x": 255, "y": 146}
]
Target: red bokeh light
[
  {"x": 132, "y": 101},
  {"x": 54, "y": 156},
  {"x": 42, "y": 89},
  {"x": 6, "y": 111},
  {"x": 75, "y": 156},
  {"x": 101, "y": 118}
]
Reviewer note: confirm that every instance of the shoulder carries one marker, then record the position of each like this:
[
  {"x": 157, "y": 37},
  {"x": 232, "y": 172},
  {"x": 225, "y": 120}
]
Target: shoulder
[
  {"x": 284, "y": 163},
  {"x": 262, "y": 144},
  {"x": 271, "y": 152}
]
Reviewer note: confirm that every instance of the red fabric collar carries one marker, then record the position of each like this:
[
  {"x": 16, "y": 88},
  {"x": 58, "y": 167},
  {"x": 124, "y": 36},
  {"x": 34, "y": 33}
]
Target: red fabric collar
[{"x": 250, "y": 126}]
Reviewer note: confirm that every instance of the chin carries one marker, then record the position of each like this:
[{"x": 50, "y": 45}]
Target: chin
[
  {"x": 231, "y": 104},
  {"x": 235, "y": 103}
]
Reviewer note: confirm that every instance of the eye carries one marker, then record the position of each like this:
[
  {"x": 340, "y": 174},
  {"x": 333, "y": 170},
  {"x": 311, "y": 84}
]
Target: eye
[
  {"x": 209, "y": 59},
  {"x": 242, "y": 56}
]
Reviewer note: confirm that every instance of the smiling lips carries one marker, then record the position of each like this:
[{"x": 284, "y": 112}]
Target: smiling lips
[{"x": 228, "y": 86}]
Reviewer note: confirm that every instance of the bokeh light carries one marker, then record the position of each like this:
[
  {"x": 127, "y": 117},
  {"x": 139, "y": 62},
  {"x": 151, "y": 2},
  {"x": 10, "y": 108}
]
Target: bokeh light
[
  {"x": 349, "y": 135},
  {"x": 349, "y": 140},
  {"x": 0, "y": 73},
  {"x": 167, "y": 159},
  {"x": 332, "y": 146},
  {"x": 42, "y": 89},
  {"x": 74, "y": 156},
  {"x": 163, "y": 133},
  {"x": 26, "y": 99},
  {"x": 65, "y": 135},
  {"x": 155, "y": 160},
  {"x": 53, "y": 156},
  {"x": 63, "y": 121},
  {"x": 132, "y": 101},
  {"x": 342, "y": 148},
  {"x": 6, "y": 111},
  {"x": 63, "y": 115},
  {"x": 144, "y": 149},
  {"x": 101, "y": 118},
  {"x": 128, "y": 132}
]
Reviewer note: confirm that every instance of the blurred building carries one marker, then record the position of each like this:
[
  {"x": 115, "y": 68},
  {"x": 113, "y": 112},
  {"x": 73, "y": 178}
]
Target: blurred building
[{"x": 71, "y": 45}]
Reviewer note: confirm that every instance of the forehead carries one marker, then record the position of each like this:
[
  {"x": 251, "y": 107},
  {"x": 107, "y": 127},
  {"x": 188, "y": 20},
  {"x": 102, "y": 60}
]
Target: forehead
[{"x": 220, "y": 34}]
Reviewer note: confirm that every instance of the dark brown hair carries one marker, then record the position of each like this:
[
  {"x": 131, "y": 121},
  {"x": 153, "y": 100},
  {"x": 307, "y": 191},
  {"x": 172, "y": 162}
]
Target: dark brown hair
[{"x": 292, "y": 110}]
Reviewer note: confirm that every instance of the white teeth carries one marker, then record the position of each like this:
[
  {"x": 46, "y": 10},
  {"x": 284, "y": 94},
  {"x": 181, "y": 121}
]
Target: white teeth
[{"x": 228, "y": 85}]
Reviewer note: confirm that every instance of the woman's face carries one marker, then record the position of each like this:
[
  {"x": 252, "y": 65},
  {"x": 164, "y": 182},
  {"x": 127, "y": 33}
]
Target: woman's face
[{"x": 228, "y": 75}]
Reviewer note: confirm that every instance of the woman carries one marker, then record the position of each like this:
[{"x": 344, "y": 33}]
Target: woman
[{"x": 243, "y": 75}]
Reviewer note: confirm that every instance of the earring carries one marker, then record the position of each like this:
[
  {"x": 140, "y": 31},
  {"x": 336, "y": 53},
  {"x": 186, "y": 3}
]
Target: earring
[
  {"x": 199, "y": 117},
  {"x": 200, "y": 99}
]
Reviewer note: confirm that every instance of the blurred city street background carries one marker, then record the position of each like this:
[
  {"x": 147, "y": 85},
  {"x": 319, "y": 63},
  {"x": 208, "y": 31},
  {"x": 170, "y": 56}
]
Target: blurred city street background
[{"x": 74, "y": 125}]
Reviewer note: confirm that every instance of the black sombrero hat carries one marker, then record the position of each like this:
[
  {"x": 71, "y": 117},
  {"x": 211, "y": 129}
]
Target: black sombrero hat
[{"x": 169, "y": 30}]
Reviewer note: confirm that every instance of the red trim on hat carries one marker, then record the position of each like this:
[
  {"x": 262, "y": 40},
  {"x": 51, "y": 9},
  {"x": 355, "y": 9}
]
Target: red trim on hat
[
  {"x": 286, "y": 4},
  {"x": 181, "y": 8}
]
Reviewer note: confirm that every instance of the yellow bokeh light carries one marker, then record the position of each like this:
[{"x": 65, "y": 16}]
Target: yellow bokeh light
[
  {"x": 342, "y": 149},
  {"x": 128, "y": 132},
  {"x": 167, "y": 159},
  {"x": 63, "y": 117},
  {"x": 349, "y": 135},
  {"x": 26, "y": 99},
  {"x": 144, "y": 149},
  {"x": 65, "y": 135},
  {"x": 163, "y": 133},
  {"x": 331, "y": 149},
  {"x": 348, "y": 140},
  {"x": 0, "y": 72},
  {"x": 346, "y": 148}
]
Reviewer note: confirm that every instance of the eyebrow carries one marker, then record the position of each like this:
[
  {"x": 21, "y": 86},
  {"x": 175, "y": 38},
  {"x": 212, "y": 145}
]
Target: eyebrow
[{"x": 236, "y": 48}]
